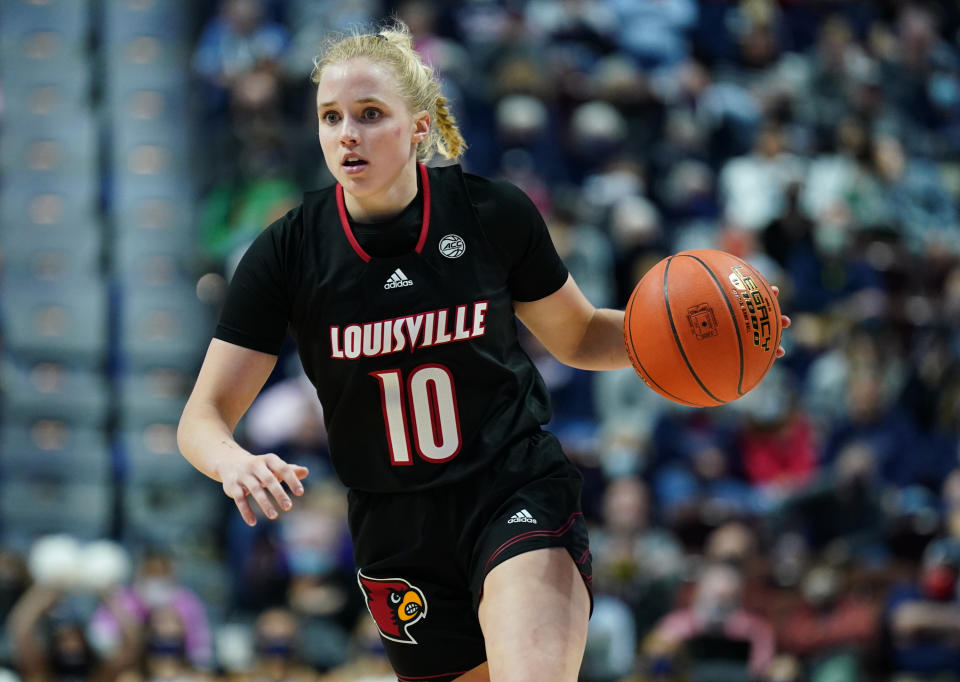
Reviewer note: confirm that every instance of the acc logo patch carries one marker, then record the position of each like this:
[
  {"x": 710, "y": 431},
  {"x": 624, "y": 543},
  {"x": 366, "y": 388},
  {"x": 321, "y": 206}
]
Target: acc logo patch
[
  {"x": 394, "y": 604},
  {"x": 452, "y": 246}
]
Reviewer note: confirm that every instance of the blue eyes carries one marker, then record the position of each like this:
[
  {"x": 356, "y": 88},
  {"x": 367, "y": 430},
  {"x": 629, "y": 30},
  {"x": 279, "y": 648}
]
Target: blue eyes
[{"x": 369, "y": 114}]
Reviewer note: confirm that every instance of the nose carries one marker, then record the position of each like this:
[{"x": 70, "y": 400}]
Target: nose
[{"x": 348, "y": 133}]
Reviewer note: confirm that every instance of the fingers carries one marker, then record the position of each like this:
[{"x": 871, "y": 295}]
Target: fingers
[
  {"x": 784, "y": 321},
  {"x": 259, "y": 476},
  {"x": 288, "y": 473},
  {"x": 238, "y": 494},
  {"x": 254, "y": 484}
]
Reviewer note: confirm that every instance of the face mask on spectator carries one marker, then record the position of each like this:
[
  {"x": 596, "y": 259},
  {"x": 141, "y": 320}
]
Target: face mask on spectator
[
  {"x": 156, "y": 592},
  {"x": 714, "y": 613},
  {"x": 71, "y": 663},
  {"x": 167, "y": 646},
  {"x": 939, "y": 583},
  {"x": 275, "y": 647}
]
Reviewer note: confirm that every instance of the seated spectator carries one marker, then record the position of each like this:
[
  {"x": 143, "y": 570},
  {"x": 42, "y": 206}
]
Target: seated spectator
[
  {"x": 842, "y": 509},
  {"x": 277, "y": 655},
  {"x": 251, "y": 170},
  {"x": 153, "y": 587},
  {"x": 922, "y": 209},
  {"x": 611, "y": 650},
  {"x": 49, "y": 641},
  {"x": 753, "y": 187},
  {"x": 922, "y": 618},
  {"x": 719, "y": 638},
  {"x": 737, "y": 543},
  {"x": 833, "y": 624},
  {"x": 874, "y": 422},
  {"x": 236, "y": 40},
  {"x": 776, "y": 440},
  {"x": 163, "y": 653},
  {"x": 696, "y": 475},
  {"x": 639, "y": 564},
  {"x": 366, "y": 658}
]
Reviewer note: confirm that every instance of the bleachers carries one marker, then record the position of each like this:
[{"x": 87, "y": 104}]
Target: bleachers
[{"x": 97, "y": 298}]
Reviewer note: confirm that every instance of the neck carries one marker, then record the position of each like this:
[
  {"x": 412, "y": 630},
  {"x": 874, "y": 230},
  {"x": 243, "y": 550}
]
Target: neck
[{"x": 384, "y": 205}]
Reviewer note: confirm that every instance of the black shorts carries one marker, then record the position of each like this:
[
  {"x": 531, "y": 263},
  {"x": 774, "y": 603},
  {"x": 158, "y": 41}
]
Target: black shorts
[{"x": 423, "y": 557}]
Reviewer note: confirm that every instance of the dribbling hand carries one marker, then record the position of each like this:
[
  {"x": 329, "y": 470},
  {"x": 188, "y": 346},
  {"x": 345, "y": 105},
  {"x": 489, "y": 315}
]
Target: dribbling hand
[
  {"x": 784, "y": 321},
  {"x": 256, "y": 475}
]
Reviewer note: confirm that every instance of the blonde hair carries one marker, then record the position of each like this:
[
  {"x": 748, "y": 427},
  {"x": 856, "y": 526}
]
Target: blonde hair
[{"x": 392, "y": 45}]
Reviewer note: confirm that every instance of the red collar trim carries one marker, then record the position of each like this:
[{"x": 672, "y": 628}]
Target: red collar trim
[{"x": 424, "y": 225}]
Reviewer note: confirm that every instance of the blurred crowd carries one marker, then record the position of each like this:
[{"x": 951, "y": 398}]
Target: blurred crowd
[{"x": 808, "y": 531}]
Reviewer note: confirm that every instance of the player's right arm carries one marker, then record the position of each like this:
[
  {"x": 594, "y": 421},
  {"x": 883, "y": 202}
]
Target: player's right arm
[{"x": 230, "y": 378}]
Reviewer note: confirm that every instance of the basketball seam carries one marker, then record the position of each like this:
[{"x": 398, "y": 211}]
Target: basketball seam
[
  {"x": 637, "y": 362},
  {"x": 676, "y": 336},
  {"x": 733, "y": 316}
]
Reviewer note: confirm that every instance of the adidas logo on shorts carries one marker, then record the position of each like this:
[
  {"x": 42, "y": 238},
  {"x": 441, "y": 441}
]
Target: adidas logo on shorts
[
  {"x": 397, "y": 280},
  {"x": 522, "y": 516}
]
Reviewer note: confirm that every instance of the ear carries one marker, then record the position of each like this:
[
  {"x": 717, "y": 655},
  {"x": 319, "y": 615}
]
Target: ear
[{"x": 421, "y": 126}]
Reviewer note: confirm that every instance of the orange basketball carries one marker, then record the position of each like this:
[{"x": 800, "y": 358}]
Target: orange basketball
[{"x": 702, "y": 327}]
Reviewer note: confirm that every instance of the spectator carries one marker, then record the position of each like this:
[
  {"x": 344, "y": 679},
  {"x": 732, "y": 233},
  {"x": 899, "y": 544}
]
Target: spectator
[
  {"x": 585, "y": 250},
  {"x": 277, "y": 650},
  {"x": 653, "y": 31},
  {"x": 720, "y": 639},
  {"x": 50, "y": 644},
  {"x": 155, "y": 586},
  {"x": 834, "y": 625},
  {"x": 921, "y": 211},
  {"x": 842, "y": 509},
  {"x": 637, "y": 563},
  {"x": 923, "y": 617},
  {"x": 873, "y": 421},
  {"x": 367, "y": 659},
  {"x": 163, "y": 654},
  {"x": 237, "y": 40},
  {"x": 776, "y": 441},
  {"x": 753, "y": 187},
  {"x": 695, "y": 473}
]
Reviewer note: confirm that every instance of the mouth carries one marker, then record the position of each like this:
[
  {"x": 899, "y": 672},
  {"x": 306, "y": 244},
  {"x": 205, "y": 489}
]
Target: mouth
[{"x": 352, "y": 164}]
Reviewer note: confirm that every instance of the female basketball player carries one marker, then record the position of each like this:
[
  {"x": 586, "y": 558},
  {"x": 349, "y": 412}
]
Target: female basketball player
[{"x": 401, "y": 285}]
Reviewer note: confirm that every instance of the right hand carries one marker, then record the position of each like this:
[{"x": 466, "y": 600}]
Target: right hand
[{"x": 253, "y": 476}]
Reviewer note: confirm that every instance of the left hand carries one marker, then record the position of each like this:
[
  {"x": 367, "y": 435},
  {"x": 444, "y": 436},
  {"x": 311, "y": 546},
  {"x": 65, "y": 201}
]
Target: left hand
[{"x": 784, "y": 321}]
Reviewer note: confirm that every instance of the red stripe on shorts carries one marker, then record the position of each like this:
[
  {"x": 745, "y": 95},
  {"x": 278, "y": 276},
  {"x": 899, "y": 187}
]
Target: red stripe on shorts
[{"x": 562, "y": 530}]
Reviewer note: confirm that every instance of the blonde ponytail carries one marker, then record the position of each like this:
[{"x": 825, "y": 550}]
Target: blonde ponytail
[
  {"x": 392, "y": 45},
  {"x": 451, "y": 145}
]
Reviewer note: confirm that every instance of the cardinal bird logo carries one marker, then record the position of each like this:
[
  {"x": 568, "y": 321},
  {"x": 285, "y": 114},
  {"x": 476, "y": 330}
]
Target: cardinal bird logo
[{"x": 394, "y": 604}]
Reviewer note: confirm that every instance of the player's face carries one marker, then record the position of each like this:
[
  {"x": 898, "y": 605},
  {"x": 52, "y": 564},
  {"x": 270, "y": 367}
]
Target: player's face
[{"x": 367, "y": 133}]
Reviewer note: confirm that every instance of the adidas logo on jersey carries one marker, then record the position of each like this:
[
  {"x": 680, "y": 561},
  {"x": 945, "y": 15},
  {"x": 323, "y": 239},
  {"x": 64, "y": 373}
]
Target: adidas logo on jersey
[
  {"x": 397, "y": 280},
  {"x": 522, "y": 516}
]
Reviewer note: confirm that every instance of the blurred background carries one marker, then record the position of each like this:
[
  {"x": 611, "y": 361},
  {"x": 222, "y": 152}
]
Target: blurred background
[{"x": 809, "y": 531}]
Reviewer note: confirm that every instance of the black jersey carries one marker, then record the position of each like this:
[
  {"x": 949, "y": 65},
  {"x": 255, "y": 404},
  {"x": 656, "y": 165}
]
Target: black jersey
[{"x": 414, "y": 356}]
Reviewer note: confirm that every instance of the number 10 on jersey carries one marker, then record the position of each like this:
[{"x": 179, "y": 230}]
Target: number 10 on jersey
[{"x": 432, "y": 407}]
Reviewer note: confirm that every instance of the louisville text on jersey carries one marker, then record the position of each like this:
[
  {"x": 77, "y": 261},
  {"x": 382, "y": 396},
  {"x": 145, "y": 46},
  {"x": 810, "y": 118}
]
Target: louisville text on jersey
[{"x": 433, "y": 328}]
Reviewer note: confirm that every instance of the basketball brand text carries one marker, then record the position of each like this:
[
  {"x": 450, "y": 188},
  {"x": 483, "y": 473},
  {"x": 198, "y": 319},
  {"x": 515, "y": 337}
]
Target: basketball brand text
[{"x": 753, "y": 306}]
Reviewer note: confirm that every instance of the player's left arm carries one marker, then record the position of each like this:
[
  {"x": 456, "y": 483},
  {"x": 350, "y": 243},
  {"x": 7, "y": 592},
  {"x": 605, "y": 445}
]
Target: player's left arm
[
  {"x": 574, "y": 331},
  {"x": 580, "y": 335}
]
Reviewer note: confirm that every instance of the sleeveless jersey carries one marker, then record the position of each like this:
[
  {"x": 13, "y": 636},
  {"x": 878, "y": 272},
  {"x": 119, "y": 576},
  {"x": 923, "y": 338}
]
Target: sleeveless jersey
[{"x": 415, "y": 357}]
